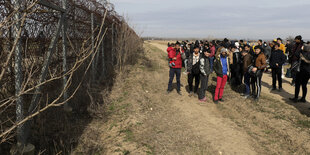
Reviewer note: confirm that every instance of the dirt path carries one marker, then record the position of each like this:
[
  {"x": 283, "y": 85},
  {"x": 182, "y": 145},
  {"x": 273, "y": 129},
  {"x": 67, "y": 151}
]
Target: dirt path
[
  {"x": 140, "y": 118},
  {"x": 223, "y": 134}
]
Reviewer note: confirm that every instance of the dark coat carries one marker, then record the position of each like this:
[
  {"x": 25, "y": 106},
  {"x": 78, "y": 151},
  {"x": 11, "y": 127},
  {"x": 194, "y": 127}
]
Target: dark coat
[
  {"x": 277, "y": 57},
  {"x": 304, "y": 66},
  {"x": 218, "y": 67},
  {"x": 190, "y": 62},
  {"x": 205, "y": 68}
]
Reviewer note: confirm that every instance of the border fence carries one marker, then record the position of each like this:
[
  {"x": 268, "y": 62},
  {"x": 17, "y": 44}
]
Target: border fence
[{"x": 50, "y": 52}]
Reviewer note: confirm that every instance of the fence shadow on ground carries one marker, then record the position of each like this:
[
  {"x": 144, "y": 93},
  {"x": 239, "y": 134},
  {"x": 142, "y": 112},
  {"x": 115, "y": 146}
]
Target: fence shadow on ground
[{"x": 303, "y": 108}]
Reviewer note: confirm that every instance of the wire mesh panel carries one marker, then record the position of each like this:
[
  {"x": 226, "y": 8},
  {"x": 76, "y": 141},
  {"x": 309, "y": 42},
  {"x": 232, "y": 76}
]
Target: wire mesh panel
[{"x": 59, "y": 54}]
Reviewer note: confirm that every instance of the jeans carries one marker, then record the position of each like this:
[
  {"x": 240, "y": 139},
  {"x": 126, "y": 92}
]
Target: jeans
[
  {"x": 276, "y": 74},
  {"x": 203, "y": 86},
  {"x": 172, "y": 72},
  {"x": 247, "y": 78},
  {"x": 220, "y": 85},
  {"x": 256, "y": 82},
  {"x": 211, "y": 60}
]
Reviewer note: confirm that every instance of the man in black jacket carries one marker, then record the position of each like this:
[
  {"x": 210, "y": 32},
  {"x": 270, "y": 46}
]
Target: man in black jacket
[
  {"x": 294, "y": 57},
  {"x": 193, "y": 70},
  {"x": 303, "y": 76},
  {"x": 277, "y": 59}
]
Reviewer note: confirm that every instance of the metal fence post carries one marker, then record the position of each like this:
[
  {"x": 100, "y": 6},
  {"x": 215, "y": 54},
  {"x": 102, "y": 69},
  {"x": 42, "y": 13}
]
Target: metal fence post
[
  {"x": 112, "y": 43},
  {"x": 102, "y": 54},
  {"x": 21, "y": 140},
  {"x": 64, "y": 53},
  {"x": 92, "y": 45}
]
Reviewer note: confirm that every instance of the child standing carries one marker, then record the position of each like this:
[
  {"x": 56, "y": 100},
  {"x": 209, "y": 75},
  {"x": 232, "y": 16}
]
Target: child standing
[
  {"x": 205, "y": 71},
  {"x": 221, "y": 68}
]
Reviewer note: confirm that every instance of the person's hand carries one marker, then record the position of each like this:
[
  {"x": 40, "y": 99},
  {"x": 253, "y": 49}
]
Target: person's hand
[
  {"x": 277, "y": 64},
  {"x": 254, "y": 69},
  {"x": 302, "y": 57},
  {"x": 175, "y": 58}
]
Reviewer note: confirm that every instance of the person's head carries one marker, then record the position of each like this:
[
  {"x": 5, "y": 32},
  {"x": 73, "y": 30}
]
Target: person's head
[
  {"x": 288, "y": 42},
  {"x": 244, "y": 53},
  {"x": 206, "y": 53},
  {"x": 211, "y": 43},
  {"x": 233, "y": 48},
  {"x": 196, "y": 49},
  {"x": 258, "y": 50},
  {"x": 260, "y": 42},
  {"x": 172, "y": 45},
  {"x": 247, "y": 47},
  {"x": 298, "y": 39},
  {"x": 169, "y": 44},
  {"x": 276, "y": 46},
  {"x": 224, "y": 52},
  {"x": 279, "y": 40},
  {"x": 177, "y": 45}
]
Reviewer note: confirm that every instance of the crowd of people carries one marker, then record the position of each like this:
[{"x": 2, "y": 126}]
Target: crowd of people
[{"x": 239, "y": 63}]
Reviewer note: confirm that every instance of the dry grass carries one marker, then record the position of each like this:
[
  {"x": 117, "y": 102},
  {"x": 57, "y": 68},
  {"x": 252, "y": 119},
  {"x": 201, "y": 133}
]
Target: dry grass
[{"x": 140, "y": 119}]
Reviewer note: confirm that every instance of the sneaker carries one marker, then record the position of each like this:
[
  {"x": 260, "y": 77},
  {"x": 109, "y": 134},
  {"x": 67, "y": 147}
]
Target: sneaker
[
  {"x": 203, "y": 100},
  {"x": 293, "y": 99},
  {"x": 242, "y": 94},
  {"x": 256, "y": 99},
  {"x": 302, "y": 100},
  {"x": 179, "y": 92},
  {"x": 195, "y": 95},
  {"x": 168, "y": 92},
  {"x": 246, "y": 96},
  {"x": 273, "y": 89},
  {"x": 216, "y": 101},
  {"x": 190, "y": 94},
  {"x": 221, "y": 100},
  {"x": 280, "y": 89}
]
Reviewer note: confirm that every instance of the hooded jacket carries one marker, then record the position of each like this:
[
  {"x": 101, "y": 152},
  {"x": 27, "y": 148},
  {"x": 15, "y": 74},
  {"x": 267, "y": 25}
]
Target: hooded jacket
[{"x": 218, "y": 66}]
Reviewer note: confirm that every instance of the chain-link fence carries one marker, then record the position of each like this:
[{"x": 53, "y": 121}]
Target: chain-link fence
[{"x": 50, "y": 51}]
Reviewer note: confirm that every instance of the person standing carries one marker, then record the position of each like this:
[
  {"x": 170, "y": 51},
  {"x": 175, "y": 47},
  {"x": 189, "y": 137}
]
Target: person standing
[
  {"x": 247, "y": 62},
  {"x": 302, "y": 77},
  {"x": 277, "y": 59},
  {"x": 293, "y": 58},
  {"x": 236, "y": 69},
  {"x": 259, "y": 64},
  {"x": 193, "y": 70},
  {"x": 205, "y": 71},
  {"x": 221, "y": 68},
  {"x": 175, "y": 60},
  {"x": 212, "y": 54}
]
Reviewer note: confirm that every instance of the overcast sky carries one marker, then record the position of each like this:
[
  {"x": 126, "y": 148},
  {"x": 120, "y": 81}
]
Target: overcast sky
[{"x": 237, "y": 19}]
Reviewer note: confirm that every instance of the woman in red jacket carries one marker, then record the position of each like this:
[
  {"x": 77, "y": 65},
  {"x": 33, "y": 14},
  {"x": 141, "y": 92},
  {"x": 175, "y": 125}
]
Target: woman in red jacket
[{"x": 175, "y": 63}]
